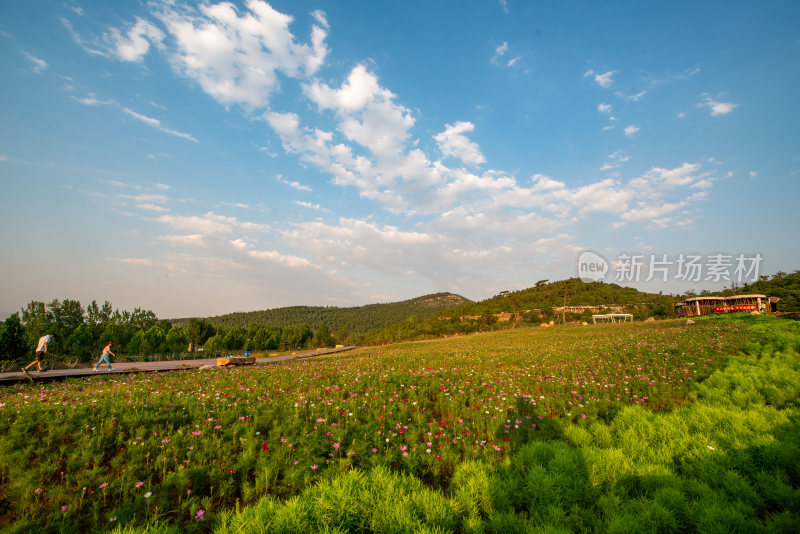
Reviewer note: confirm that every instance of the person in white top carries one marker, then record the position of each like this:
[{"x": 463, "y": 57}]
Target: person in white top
[{"x": 41, "y": 350}]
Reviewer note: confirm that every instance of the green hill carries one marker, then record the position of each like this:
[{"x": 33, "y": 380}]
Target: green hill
[
  {"x": 544, "y": 297},
  {"x": 532, "y": 306},
  {"x": 355, "y": 321}
]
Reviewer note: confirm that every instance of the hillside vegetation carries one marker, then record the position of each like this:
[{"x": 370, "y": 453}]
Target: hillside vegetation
[
  {"x": 533, "y": 306},
  {"x": 343, "y": 322}
]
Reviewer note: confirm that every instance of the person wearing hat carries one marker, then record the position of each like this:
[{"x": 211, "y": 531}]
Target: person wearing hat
[
  {"x": 41, "y": 350},
  {"x": 104, "y": 356}
]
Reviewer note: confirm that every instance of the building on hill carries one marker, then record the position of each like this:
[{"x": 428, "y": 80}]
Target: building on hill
[{"x": 699, "y": 306}]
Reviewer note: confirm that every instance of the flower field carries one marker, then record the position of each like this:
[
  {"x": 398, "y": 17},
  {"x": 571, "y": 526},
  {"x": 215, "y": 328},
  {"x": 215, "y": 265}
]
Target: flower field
[{"x": 196, "y": 450}]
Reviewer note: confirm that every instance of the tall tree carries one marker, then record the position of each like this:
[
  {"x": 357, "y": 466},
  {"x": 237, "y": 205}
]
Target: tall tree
[
  {"x": 176, "y": 340},
  {"x": 36, "y": 320},
  {"x": 68, "y": 316},
  {"x": 13, "y": 341}
]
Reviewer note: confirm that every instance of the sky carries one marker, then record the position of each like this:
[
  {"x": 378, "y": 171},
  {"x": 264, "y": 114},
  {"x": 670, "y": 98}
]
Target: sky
[{"x": 197, "y": 159}]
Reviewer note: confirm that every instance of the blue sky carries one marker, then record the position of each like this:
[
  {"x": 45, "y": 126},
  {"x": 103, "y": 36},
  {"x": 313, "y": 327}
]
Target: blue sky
[{"x": 199, "y": 159}]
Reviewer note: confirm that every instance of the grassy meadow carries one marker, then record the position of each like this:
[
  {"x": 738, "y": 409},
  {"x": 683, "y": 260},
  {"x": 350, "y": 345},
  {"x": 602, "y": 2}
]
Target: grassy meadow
[{"x": 610, "y": 428}]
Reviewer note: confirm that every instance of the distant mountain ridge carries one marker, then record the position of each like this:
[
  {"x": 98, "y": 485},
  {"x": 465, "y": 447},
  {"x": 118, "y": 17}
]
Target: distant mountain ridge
[{"x": 356, "y": 320}]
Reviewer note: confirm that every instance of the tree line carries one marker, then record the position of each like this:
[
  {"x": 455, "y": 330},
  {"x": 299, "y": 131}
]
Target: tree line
[{"x": 81, "y": 332}]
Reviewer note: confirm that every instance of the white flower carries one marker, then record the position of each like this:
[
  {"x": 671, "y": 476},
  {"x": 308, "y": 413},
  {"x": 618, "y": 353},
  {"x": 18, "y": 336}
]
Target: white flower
[
  {"x": 148, "y": 494},
  {"x": 710, "y": 447}
]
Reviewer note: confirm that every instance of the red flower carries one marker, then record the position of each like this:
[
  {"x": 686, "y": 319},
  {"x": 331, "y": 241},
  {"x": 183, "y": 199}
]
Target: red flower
[
  {"x": 438, "y": 456},
  {"x": 264, "y": 447}
]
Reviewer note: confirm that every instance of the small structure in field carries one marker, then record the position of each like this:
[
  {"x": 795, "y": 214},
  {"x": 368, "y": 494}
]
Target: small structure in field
[
  {"x": 699, "y": 306},
  {"x": 612, "y": 318},
  {"x": 235, "y": 360}
]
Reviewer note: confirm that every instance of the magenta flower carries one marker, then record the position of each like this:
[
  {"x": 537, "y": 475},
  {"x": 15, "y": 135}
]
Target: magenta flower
[
  {"x": 65, "y": 508},
  {"x": 314, "y": 467},
  {"x": 139, "y": 484},
  {"x": 103, "y": 485},
  {"x": 200, "y": 514}
]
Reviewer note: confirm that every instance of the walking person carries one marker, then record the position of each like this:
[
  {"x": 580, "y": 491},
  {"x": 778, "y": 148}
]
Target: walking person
[
  {"x": 104, "y": 357},
  {"x": 41, "y": 350}
]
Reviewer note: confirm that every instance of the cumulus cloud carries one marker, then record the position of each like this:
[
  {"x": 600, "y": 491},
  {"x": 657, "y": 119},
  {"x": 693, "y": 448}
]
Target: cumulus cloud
[
  {"x": 236, "y": 55},
  {"x": 716, "y": 107},
  {"x": 631, "y": 130},
  {"x": 453, "y": 143},
  {"x": 134, "y": 45},
  {"x": 603, "y": 80}
]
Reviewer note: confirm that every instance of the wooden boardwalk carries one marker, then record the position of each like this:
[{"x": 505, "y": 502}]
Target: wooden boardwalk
[{"x": 148, "y": 367}]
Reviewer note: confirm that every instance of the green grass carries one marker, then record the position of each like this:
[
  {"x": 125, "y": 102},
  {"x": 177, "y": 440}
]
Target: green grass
[{"x": 619, "y": 428}]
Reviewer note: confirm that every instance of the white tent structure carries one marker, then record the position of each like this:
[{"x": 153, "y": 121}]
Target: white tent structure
[{"x": 612, "y": 318}]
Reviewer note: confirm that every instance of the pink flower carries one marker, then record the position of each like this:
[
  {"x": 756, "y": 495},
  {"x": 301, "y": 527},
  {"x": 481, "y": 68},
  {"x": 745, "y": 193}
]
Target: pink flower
[
  {"x": 139, "y": 484},
  {"x": 200, "y": 514},
  {"x": 374, "y": 450},
  {"x": 335, "y": 445},
  {"x": 314, "y": 467},
  {"x": 103, "y": 485},
  {"x": 65, "y": 508}
]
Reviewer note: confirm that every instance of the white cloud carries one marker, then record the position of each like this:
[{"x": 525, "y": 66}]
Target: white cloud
[
  {"x": 134, "y": 45},
  {"x": 236, "y": 55},
  {"x": 631, "y": 130},
  {"x": 310, "y": 206},
  {"x": 648, "y": 213},
  {"x": 753, "y": 174},
  {"x": 152, "y": 207},
  {"x": 603, "y": 80},
  {"x": 275, "y": 256},
  {"x": 604, "y": 108},
  {"x": 143, "y": 198},
  {"x": 191, "y": 240},
  {"x": 38, "y": 64},
  {"x": 139, "y": 262},
  {"x": 155, "y": 123},
  {"x": 716, "y": 107},
  {"x": 208, "y": 224},
  {"x": 292, "y": 183},
  {"x": 453, "y": 143},
  {"x": 91, "y": 100},
  {"x": 615, "y": 160},
  {"x": 631, "y": 98}
]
